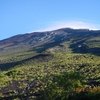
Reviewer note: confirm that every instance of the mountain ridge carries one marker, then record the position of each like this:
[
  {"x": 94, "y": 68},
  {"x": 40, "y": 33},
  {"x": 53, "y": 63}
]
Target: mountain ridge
[{"x": 35, "y": 40}]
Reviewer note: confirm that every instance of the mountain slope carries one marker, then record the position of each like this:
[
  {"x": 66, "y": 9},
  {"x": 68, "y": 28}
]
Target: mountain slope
[
  {"x": 80, "y": 39},
  {"x": 28, "y": 62},
  {"x": 25, "y": 46}
]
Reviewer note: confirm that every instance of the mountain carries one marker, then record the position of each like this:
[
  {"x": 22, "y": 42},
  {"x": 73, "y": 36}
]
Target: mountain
[
  {"x": 81, "y": 40},
  {"x": 51, "y": 65}
]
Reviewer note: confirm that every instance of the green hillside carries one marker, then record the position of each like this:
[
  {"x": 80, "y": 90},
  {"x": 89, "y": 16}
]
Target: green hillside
[{"x": 54, "y": 70}]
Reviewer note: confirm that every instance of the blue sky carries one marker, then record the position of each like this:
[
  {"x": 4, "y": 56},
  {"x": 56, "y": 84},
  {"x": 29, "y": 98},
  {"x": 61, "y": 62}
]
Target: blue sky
[{"x": 25, "y": 16}]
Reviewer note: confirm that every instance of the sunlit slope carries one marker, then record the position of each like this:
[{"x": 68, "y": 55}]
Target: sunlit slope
[{"x": 37, "y": 56}]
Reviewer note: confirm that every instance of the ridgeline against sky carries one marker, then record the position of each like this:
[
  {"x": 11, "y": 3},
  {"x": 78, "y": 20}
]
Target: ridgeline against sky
[{"x": 22, "y": 16}]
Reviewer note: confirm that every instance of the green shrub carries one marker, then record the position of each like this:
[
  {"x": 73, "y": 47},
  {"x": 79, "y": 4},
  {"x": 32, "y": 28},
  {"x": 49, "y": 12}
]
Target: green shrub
[
  {"x": 62, "y": 86},
  {"x": 12, "y": 73}
]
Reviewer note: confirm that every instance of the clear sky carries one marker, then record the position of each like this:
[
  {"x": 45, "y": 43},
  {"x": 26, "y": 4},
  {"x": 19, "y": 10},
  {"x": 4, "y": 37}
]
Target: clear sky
[{"x": 24, "y": 16}]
